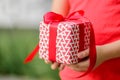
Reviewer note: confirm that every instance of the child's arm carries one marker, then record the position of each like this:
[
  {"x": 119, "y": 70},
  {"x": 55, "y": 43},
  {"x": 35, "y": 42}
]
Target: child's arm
[
  {"x": 104, "y": 53},
  {"x": 60, "y": 7},
  {"x": 112, "y": 50}
]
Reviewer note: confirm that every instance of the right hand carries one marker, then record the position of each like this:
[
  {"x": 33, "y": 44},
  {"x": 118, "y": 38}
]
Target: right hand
[{"x": 55, "y": 65}]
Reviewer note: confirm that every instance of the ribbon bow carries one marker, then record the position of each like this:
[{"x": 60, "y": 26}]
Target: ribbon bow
[{"x": 54, "y": 17}]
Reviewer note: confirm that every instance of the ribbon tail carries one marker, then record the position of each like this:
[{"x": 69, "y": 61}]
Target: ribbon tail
[
  {"x": 92, "y": 52},
  {"x": 31, "y": 55}
]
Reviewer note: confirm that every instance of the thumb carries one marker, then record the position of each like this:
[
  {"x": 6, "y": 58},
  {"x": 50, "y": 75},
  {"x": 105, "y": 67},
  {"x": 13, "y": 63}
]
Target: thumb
[{"x": 83, "y": 54}]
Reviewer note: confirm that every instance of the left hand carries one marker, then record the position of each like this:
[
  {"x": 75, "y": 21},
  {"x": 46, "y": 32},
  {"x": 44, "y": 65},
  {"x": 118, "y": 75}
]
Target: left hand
[{"x": 83, "y": 65}]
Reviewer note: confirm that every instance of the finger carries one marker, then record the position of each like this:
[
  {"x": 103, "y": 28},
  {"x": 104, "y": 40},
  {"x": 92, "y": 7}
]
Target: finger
[
  {"x": 55, "y": 65},
  {"x": 83, "y": 69},
  {"x": 61, "y": 66},
  {"x": 48, "y": 62},
  {"x": 82, "y": 66},
  {"x": 83, "y": 54}
]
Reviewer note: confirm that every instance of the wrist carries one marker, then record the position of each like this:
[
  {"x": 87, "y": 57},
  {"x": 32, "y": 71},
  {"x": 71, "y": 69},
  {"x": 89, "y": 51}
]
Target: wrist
[
  {"x": 101, "y": 57},
  {"x": 104, "y": 53},
  {"x": 111, "y": 50}
]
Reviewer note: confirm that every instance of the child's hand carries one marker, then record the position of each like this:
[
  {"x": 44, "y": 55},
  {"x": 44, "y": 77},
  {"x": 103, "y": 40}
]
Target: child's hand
[
  {"x": 55, "y": 65},
  {"x": 83, "y": 65}
]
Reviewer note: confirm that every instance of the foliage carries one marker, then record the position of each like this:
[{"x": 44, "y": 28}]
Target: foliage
[{"x": 15, "y": 45}]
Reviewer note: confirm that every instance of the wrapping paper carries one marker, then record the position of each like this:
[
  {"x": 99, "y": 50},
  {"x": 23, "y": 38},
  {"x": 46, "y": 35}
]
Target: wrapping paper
[{"x": 72, "y": 36}]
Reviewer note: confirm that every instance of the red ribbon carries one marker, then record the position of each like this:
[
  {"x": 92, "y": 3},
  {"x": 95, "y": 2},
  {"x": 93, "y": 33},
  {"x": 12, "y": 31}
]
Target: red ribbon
[
  {"x": 53, "y": 19},
  {"x": 92, "y": 52},
  {"x": 31, "y": 55},
  {"x": 52, "y": 41}
]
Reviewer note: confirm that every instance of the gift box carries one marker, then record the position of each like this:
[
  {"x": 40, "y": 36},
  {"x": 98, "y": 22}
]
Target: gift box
[{"x": 62, "y": 38}]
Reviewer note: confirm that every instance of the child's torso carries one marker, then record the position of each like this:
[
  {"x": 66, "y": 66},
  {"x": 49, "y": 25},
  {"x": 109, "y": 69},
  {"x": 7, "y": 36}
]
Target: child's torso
[{"x": 105, "y": 17}]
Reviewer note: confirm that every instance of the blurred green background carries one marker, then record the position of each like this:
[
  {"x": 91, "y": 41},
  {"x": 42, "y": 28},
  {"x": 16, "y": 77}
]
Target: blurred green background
[
  {"x": 19, "y": 34},
  {"x": 15, "y": 45}
]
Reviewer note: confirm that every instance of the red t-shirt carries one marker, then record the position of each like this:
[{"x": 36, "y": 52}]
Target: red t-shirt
[{"x": 105, "y": 17}]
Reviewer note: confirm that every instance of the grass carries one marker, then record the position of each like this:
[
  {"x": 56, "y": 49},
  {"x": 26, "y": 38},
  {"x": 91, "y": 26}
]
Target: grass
[{"x": 15, "y": 45}]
